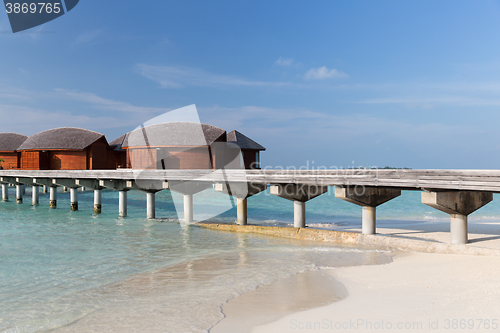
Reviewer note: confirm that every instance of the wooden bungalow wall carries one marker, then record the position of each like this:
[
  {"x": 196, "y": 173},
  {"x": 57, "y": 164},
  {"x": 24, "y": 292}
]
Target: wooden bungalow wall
[
  {"x": 68, "y": 160},
  {"x": 249, "y": 158},
  {"x": 100, "y": 156},
  {"x": 119, "y": 159},
  {"x": 35, "y": 160},
  {"x": 10, "y": 160},
  {"x": 169, "y": 158}
]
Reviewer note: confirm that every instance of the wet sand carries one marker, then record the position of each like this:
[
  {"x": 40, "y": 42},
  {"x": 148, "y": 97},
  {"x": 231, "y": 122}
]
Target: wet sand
[
  {"x": 270, "y": 302},
  {"x": 417, "y": 292}
]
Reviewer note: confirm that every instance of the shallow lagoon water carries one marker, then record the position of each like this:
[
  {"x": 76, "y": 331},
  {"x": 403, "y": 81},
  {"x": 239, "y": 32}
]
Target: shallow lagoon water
[{"x": 60, "y": 267}]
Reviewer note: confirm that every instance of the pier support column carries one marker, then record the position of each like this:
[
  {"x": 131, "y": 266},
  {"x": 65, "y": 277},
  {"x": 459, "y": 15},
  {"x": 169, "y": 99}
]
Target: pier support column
[
  {"x": 44, "y": 189},
  {"x": 150, "y": 204},
  {"x": 187, "y": 189},
  {"x": 368, "y": 198},
  {"x": 122, "y": 186},
  {"x": 240, "y": 191},
  {"x": 369, "y": 218},
  {"x": 241, "y": 211},
  {"x": 19, "y": 193},
  {"x": 35, "y": 195},
  {"x": 73, "y": 195},
  {"x": 92, "y": 184},
  {"x": 97, "y": 201},
  {"x": 299, "y": 194},
  {"x": 459, "y": 204},
  {"x": 5, "y": 192},
  {"x": 299, "y": 214},
  {"x": 188, "y": 208},
  {"x": 53, "y": 197},
  {"x": 458, "y": 229},
  {"x": 122, "y": 203}
]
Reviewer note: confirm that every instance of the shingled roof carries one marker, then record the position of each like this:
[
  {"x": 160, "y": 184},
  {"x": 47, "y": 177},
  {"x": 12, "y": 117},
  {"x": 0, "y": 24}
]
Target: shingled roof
[
  {"x": 243, "y": 141},
  {"x": 173, "y": 134},
  {"x": 62, "y": 138},
  {"x": 11, "y": 141},
  {"x": 117, "y": 143}
]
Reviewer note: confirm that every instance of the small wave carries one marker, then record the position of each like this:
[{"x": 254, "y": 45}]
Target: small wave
[{"x": 334, "y": 249}]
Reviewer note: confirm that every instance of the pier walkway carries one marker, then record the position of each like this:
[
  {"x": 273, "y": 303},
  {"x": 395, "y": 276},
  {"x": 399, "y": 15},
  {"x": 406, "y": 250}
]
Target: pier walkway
[{"x": 456, "y": 192}]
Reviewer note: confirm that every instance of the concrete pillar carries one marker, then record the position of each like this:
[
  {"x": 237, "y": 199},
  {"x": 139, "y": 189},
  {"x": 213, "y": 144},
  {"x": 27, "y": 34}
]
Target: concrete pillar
[
  {"x": 82, "y": 188},
  {"x": 122, "y": 204},
  {"x": 19, "y": 193},
  {"x": 44, "y": 189},
  {"x": 241, "y": 191},
  {"x": 97, "y": 201},
  {"x": 35, "y": 195},
  {"x": 458, "y": 229},
  {"x": 65, "y": 189},
  {"x": 53, "y": 197},
  {"x": 188, "y": 208},
  {"x": 73, "y": 195},
  {"x": 459, "y": 204},
  {"x": 369, "y": 220},
  {"x": 150, "y": 203},
  {"x": 5, "y": 192},
  {"x": 368, "y": 198},
  {"x": 241, "y": 211},
  {"x": 299, "y": 194},
  {"x": 299, "y": 214}
]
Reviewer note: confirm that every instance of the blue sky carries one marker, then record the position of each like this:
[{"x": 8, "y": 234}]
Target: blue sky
[{"x": 324, "y": 83}]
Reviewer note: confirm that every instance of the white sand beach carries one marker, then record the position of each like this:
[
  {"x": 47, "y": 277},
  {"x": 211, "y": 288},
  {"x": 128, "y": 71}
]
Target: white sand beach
[{"x": 417, "y": 292}]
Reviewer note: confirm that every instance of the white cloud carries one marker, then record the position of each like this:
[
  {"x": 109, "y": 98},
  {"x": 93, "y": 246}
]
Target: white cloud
[
  {"x": 282, "y": 61},
  {"x": 281, "y": 126},
  {"x": 86, "y": 37},
  {"x": 176, "y": 77},
  {"x": 321, "y": 73},
  {"x": 108, "y": 104}
]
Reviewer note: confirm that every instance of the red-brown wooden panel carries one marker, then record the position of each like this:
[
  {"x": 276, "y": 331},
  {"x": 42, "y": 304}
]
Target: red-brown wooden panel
[
  {"x": 30, "y": 160},
  {"x": 141, "y": 158},
  {"x": 68, "y": 160},
  {"x": 10, "y": 160}
]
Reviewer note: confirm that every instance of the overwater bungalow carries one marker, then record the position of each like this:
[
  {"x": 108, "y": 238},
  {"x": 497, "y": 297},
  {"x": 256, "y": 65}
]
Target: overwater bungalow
[
  {"x": 9, "y": 144},
  {"x": 67, "y": 148},
  {"x": 185, "y": 145},
  {"x": 175, "y": 145}
]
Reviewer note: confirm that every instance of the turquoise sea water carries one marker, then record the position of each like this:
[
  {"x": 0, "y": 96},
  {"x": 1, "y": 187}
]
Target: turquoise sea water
[{"x": 58, "y": 266}]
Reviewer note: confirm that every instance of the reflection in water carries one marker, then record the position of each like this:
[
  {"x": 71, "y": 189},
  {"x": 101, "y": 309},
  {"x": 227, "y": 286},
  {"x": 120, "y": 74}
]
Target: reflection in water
[
  {"x": 135, "y": 274},
  {"x": 186, "y": 296}
]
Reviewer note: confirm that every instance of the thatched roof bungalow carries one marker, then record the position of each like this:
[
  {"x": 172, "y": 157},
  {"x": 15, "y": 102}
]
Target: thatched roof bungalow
[
  {"x": 9, "y": 144},
  {"x": 185, "y": 145},
  {"x": 175, "y": 145},
  {"x": 67, "y": 148}
]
